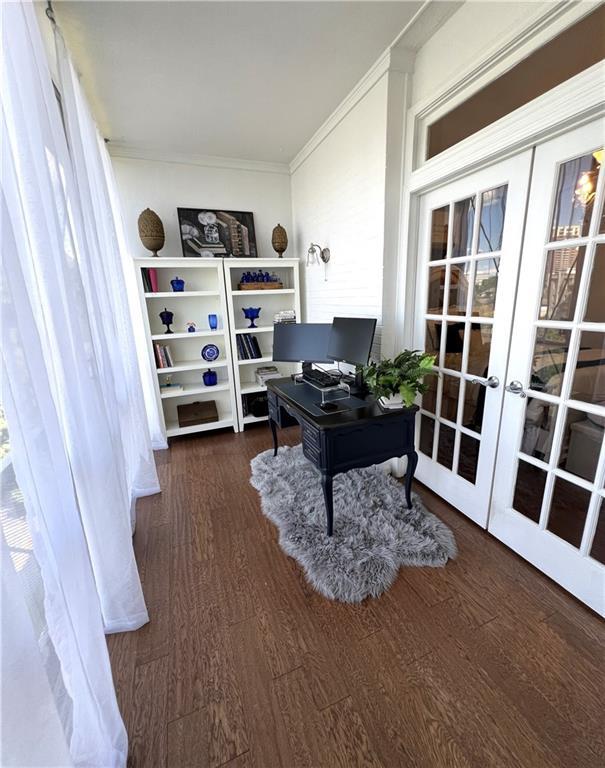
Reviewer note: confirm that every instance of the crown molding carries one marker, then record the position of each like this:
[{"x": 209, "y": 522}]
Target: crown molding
[{"x": 154, "y": 154}]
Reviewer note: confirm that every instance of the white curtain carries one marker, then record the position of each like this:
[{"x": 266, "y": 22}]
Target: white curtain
[{"x": 70, "y": 387}]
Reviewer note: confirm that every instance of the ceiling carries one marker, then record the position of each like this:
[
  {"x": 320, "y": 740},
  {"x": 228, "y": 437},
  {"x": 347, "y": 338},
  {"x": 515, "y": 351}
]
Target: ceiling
[{"x": 247, "y": 80}]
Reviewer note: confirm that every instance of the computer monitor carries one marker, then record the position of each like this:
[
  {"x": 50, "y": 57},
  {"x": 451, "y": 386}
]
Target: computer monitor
[
  {"x": 351, "y": 339},
  {"x": 301, "y": 342}
]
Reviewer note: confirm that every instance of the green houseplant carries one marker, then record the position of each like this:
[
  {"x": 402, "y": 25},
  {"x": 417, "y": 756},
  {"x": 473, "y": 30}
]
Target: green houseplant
[{"x": 395, "y": 383}]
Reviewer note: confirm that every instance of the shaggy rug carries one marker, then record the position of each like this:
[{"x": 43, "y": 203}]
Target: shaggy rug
[{"x": 374, "y": 531}]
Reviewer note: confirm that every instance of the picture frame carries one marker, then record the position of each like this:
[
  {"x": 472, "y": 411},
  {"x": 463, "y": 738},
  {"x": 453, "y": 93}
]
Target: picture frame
[{"x": 212, "y": 232}]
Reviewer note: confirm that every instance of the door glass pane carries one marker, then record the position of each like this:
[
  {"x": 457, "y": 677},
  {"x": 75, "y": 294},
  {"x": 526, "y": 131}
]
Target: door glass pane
[
  {"x": 486, "y": 284},
  {"x": 449, "y": 397},
  {"x": 574, "y": 197},
  {"x": 479, "y": 350},
  {"x": 538, "y": 428},
  {"x": 434, "y": 304},
  {"x": 474, "y": 402},
  {"x": 582, "y": 440},
  {"x": 439, "y": 225},
  {"x": 549, "y": 358},
  {"x": 459, "y": 279},
  {"x": 568, "y": 510},
  {"x": 462, "y": 228},
  {"x": 529, "y": 490},
  {"x": 469, "y": 456},
  {"x": 589, "y": 376},
  {"x": 491, "y": 224},
  {"x": 454, "y": 344},
  {"x": 595, "y": 306},
  {"x": 429, "y": 398},
  {"x": 432, "y": 337},
  {"x": 427, "y": 432},
  {"x": 602, "y": 222},
  {"x": 561, "y": 283},
  {"x": 598, "y": 543},
  {"x": 445, "y": 447}
]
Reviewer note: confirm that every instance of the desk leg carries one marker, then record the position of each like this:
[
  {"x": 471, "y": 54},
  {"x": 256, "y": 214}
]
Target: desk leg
[
  {"x": 326, "y": 486},
  {"x": 409, "y": 476},
  {"x": 273, "y": 426}
]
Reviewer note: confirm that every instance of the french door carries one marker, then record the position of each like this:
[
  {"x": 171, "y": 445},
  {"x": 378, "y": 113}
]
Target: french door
[
  {"x": 470, "y": 243},
  {"x": 513, "y": 289},
  {"x": 548, "y": 497}
]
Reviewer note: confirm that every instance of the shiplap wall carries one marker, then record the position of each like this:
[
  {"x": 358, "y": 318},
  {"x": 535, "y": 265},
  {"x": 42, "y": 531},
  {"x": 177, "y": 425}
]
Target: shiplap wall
[{"x": 338, "y": 201}]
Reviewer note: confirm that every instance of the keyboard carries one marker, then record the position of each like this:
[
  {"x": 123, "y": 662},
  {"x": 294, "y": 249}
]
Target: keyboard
[{"x": 321, "y": 379}]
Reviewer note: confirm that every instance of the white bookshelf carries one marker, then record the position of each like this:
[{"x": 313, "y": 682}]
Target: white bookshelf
[
  {"x": 204, "y": 294},
  {"x": 270, "y": 301}
]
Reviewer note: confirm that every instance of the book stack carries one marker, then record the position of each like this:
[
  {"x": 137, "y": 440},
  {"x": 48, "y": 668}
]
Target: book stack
[
  {"x": 170, "y": 387},
  {"x": 285, "y": 316},
  {"x": 150, "y": 279},
  {"x": 247, "y": 347},
  {"x": 163, "y": 356},
  {"x": 262, "y": 375}
]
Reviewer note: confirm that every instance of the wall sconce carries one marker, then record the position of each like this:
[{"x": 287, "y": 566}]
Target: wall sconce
[{"x": 315, "y": 254}]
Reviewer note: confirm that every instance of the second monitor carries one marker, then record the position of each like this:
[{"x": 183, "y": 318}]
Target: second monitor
[{"x": 351, "y": 339}]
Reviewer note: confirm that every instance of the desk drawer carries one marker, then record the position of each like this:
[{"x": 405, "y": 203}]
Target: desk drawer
[
  {"x": 311, "y": 442},
  {"x": 376, "y": 441}
]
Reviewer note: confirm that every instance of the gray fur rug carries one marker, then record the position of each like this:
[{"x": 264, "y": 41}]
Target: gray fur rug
[{"x": 374, "y": 531}]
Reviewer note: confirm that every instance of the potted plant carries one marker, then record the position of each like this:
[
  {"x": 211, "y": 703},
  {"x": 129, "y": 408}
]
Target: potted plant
[{"x": 395, "y": 383}]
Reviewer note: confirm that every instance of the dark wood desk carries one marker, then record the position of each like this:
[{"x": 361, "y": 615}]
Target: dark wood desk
[{"x": 338, "y": 441}]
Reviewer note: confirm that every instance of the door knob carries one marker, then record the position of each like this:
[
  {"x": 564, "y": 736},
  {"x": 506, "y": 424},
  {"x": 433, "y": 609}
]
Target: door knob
[
  {"x": 492, "y": 382},
  {"x": 515, "y": 388}
]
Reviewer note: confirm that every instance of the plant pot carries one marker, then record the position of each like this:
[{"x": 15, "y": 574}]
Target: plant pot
[{"x": 394, "y": 401}]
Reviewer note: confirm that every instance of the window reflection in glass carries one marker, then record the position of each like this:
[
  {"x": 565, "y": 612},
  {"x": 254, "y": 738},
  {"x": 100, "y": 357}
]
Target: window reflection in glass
[
  {"x": 445, "y": 445},
  {"x": 454, "y": 346},
  {"x": 439, "y": 226},
  {"x": 574, "y": 197},
  {"x": 595, "y": 305},
  {"x": 459, "y": 281},
  {"x": 432, "y": 337},
  {"x": 562, "y": 273},
  {"x": 468, "y": 458},
  {"x": 589, "y": 376},
  {"x": 449, "y": 397},
  {"x": 568, "y": 510},
  {"x": 479, "y": 350},
  {"x": 462, "y": 227},
  {"x": 582, "y": 440},
  {"x": 434, "y": 304},
  {"x": 427, "y": 432},
  {"x": 491, "y": 222},
  {"x": 474, "y": 403},
  {"x": 538, "y": 428},
  {"x": 551, "y": 349},
  {"x": 429, "y": 398},
  {"x": 597, "y": 549},
  {"x": 486, "y": 285},
  {"x": 529, "y": 490}
]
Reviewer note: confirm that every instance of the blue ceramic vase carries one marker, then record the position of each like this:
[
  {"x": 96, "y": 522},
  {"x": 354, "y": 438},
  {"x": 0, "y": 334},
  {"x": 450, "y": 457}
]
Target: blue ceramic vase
[{"x": 210, "y": 378}]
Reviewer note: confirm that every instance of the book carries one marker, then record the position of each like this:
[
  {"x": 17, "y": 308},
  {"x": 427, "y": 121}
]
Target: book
[
  {"x": 241, "y": 352},
  {"x": 255, "y": 347},
  {"x": 248, "y": 346},
  {"x": 168, "y": 354},
  {"x": 153, "y": 278}
]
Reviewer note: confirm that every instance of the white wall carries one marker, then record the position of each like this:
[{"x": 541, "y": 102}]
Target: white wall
[
  {"x": 338, "y": 199},
  {"x": 166, "y": 186}
]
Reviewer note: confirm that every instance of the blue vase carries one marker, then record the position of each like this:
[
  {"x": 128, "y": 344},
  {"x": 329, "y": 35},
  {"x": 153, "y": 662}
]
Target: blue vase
[
  {"x": 210, "y": 378},
  {"x": 251, "y": 313},
  {"x": 177, "y": 284},
  {"x": 213, "y": 322}
]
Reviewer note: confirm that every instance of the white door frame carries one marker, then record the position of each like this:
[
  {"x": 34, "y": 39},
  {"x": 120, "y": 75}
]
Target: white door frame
[{"x": 577, "y": 101}]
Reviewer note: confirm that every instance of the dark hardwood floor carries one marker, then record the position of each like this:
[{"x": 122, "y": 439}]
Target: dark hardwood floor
[{"x": 482, "y": 663}]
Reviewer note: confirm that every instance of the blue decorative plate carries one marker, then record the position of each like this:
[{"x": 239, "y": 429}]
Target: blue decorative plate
[{"x": 210, "y": 352}]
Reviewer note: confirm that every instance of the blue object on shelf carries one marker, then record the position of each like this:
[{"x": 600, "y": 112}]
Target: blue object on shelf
[
  {"x": 213, "y": 322},
  {"x": 178, "y": 285},
  {"x": 210, "y": 353},
  {"x": 210, "y": 378},
  {"x": 251, "y": 313}
]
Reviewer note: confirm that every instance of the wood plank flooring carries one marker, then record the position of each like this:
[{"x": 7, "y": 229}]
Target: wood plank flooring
[{"x": 483, "y": 663}]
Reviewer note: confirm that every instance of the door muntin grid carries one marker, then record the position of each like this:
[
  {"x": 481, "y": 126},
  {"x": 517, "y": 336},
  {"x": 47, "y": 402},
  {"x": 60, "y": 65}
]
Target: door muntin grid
[
  {"x": 459, "y": 315},
  {"x": 560, "y": 468}
]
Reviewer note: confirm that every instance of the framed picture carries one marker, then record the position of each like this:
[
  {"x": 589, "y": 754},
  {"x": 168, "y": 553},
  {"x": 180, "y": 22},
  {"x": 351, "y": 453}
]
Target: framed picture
[{"x": 208, "y": 232}]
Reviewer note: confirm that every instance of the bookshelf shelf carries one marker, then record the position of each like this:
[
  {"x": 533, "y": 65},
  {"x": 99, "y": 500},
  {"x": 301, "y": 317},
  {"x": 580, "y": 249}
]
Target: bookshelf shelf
[
  {"x": 194, "y": 389},
  {"x": 205, "y": 293},
  {"x": 271, "y": 302},
  {"x": 180, "y": 294}
]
